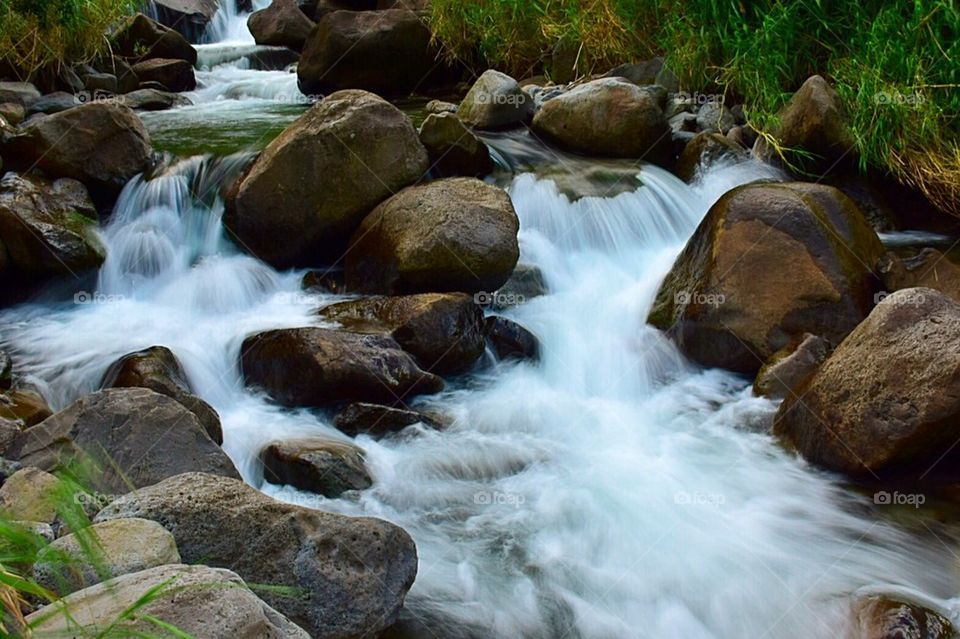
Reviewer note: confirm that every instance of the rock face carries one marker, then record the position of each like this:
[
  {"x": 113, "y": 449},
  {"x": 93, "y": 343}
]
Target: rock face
[
  {"x": 158, "y": 369},
  {"x": 458, "y": 234},
  {"x": 212, "y": 603},
  {"x": 136, "y": 437},
  {"x": 376, "y": 420},
  {"x": 311, "y": 187},
  {"x": 174, "y": 75},
  {"x": 495, "y": 101},
  {"x": 452, "y": 148},
  {"x": 768, "y": 264},
  {"x": 189, "y": 17},
  {"x": 606, "y": 117},
  {"x": 318, "y": 366},
  {"x": 103, "y": 551},
  {"x": 282, "y": 24},
  {"x": 887, "y": 401},
  {"x": 386, "y": 52},
  {"x": 140, "y": 38},
  {"x": 323, "y": 466},
  {"x": 790, "y": 367},
  {"x": 100, "y": 144},
  {"x": 353, "y": 573},
  {"x": 444, "y": 331},
  {"x": 48, "y": 228}
]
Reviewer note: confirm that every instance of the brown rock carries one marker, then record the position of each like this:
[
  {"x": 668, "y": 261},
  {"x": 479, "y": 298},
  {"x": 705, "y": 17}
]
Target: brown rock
[
  {"x": 282, "y": 24},
  {"x": 453, "y": 149},
  {"x": 323, "y": 466},
  {"x": 175, "y": 75}
]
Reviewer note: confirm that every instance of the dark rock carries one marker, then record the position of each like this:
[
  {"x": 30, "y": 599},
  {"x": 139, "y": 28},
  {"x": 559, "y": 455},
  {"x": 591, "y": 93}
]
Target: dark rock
[
  {"x": 22, "y": 93},
  {"x": 704, "y": 150},
  {"x": 25, "y": 406},
  {"x": 323, "y": 466},
  {"x": 153, "y": 100},
  {"x": 101, "y": 82},
  {"x": 790, "y": 367},
  {"x": 714, "y": 117},
  {"x": 13, "y": 113},
  {"x": 189, "y": 17},
  {"x": 495, "y": 101},
  {"x": 56, "y": 102},
  {"x": 929, "y": 268},
  {"x": 281, "y": 24},
  {"x": 879, "y": 617},
  {"x": 509, "y": 340},
  {"x": 376, "y": 420},
  {"x": 453, "y": 149},
  {"x": 141, "y": 38},
  {"x": 175, "y": 75}
]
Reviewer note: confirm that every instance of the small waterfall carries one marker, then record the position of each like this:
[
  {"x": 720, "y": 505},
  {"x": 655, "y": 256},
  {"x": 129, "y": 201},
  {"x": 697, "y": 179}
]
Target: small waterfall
[{"x": 229, "y": 24}]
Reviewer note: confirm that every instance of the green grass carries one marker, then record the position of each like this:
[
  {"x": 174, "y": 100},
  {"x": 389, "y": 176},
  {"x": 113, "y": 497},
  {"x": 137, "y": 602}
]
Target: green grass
[{"x": 894, "y": 64}]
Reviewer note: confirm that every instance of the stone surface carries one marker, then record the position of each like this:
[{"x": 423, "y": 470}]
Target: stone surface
[
  {"x": 453, "y": 149},
  {"x": 495, "y": 101},
  {"x": 376, "y": 420},
  {"x": 30, "y": 494},
  {"x": 790, "y": 367},
  {"x": 281, "y": 24},
  {"x": 929, "y": 268},
  {"x": 141, "y": 38},
  {"x": 879, "y": 617},
  {"x": 175, "y": 75},
  {"x": 703, "y": 150},
  {"x": 510, "y": 340},
  {"x": 321, "y": 465},
  {"x": 189, "y": 17},
  {"x": 24, "y": 405}
]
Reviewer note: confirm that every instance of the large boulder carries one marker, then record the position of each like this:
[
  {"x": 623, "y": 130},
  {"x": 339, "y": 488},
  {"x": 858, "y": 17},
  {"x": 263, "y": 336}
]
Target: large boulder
[
  {"x": 282, "y": 24},
  {"x": 132, "y": 437},
  {"x": 387, "y": 52},
  {"x": 311, "y": 187},
  {"x": 141, "y": 38},
  {"x": 318, "y": 366},
  {"x": 453, "y": 148},
  {"x": 202, "y": 602},
  {"x": 158, "y": 369},
  {"x": 457, "y": 234},
  {"x": 495, "y": 101},
  {"x": 886, "y": 403},
  {"x": 189, "y": 17},
  {"x": 324, "y": 466},
  {"x": 350, "y": 574},
  {"x": 444, "y": 331},
  {"x": 607, "y": 117},
  {"x": 768, "y": 264},
  {"x": 175, "y": 75},
  {"x": 102, "y": 145}
]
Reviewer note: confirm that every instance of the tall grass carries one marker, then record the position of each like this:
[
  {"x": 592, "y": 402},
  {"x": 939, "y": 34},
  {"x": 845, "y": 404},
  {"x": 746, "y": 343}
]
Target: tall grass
[{"x": 894, "y": 64}]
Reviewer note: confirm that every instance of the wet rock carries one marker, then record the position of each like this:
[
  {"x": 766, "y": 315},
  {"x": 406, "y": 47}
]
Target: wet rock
[
  {"x": 312, "y": 186},
  {"x": 452, "y": 148},
  {"x": 880, "y": 617},
  {"x": 327, "y": 281},
  {"x": 768, "y": 264},
  {"x": 704, "y": 150},
  {"x": 175, "y": 75},
  {"x": 790, "y": 367},
  {"x": 281, "y": 24},
  {"x": 509, "y": 340},
  {"x": 141, "y": 38},
  {"x": 495, "y": 101},
  {"x": 456, "y": 234},
  {"x": 444, "y": 331},
  {"x": 154, "y": 100},
  {"x": 929, "y": 268},
  {"x": 189, "y": 17},
  {"x": 352, "y": 572},
  {"x": 158, "y": 369},
  {"x": 22, "y": 93},
  {"x": 606, "y": 117},
  {"x": 377, "y": 420},
  {"x": 103, "y": 551},
  {"x": 886, "y": 403},
  {"x": 30, "y": 494},
  {"x": 133, "y": 437},
  {"x": 199, "y": 601},
  {"x": 323, "y": 466},
  {"x": 25, "y": 406},
  {"x": 317, "y": 366},
  {"x": 524, "y": 284}
]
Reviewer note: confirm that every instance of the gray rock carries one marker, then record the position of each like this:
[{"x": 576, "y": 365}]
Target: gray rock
[
  {"x": 56, "y": 102},
  {"x": 495, "y": 101},
  {"x": 713, "y": 117},
  {"x": 22, "y": 93}
]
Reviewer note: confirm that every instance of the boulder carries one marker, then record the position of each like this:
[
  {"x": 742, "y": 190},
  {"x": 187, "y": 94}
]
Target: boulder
[
  {"x": 102, "y": 145},
  {"x": 189, "y": 17},
  {"x": 30, "y": 494},
  {"x": 25, "y": 406},
  {"x": 495, "y": 101},
  {"x": 790, "y": 367},
  {"x": 318, "y": 366},
  {"x": 103, "y": 551},
  {"x": 311, "y": 187},
  {"x": 703, "y": 150},
  {"x": 714, "y": 117},
  {"x": 323, "y": 466},
  {"x": 376, "y": 420},
  {"x": 387, "y": 52},
  {"x": 56, "y": 102},
  {"x": 48, "y": 228},
  {"x": 929, "y": 268},
  {"x": 282, "y": 24},
  {"x": 202, "y": 602},
  {"x": 606, "y": 117},
  {"x": 352, "y": 572},
  {"x": 440, "y": 106},
  {"x": 452, "y": 148},
  {"x": 175, "y": 75},
  {"x": 886, "y": 403},
  {"x": 154, "y": 100},
  {"x": 768, "y": 264},
  {"x": 879, "y": 617},
  {"x": 141, "y": 38},
  {"x": 132, "y": 437},
  {"x": 509, "y": 340},
  {"x": 456, "y": 234},
  {"x": 22, "y": 93},
  {"x": 158, "y": 369},
  {"x": 444, "y": 331},
  {"x": 98, "y": 83}
]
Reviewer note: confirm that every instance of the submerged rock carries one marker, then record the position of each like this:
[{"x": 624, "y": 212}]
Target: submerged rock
[
  {"x": 323, "y": 466},
  {"x": 703, "y": 150}
]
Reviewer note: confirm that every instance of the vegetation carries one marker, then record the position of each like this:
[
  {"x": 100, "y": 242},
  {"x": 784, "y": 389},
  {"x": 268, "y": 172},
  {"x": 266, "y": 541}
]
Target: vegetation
[{"x": 893, "y": 63}]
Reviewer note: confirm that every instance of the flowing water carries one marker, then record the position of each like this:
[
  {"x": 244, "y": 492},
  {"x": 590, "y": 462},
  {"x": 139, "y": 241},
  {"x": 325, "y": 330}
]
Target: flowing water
[{"x": 610, "y": 490}]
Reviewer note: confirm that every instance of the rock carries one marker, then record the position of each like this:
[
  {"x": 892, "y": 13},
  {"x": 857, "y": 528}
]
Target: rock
[
  {"x": 886, "y": 403},
  {"x": 768, "y": 264},
  {"x": 607, "y": 117},
  {"x": 154, "y": 100},
  {"x": 10, "y": 429},
  {"x": 103, "y": 551},
  {"x": 30, "y": 495},
  {"x": 208, "y": 603},
  {"x": 376, "y": 420},
  {"x": 644, "y": 73},
  {"x": 524, "y": 284},
  {"x": 141, "y": 38},
  {"x": 386, "y": 52},
  {"x": 22, "y": 93},
  {"x": 318, "y": 366},
  {"x": 703, "y": 150},
  {"x": 879, "y": 617},
  {"x": 281, "y": 24},
  {"x": 6, "y": 370},
  {"x": 327, "y": 281},
  {"x": 312, "y": 186},
  {"x": 48, "y": 228},
  {"x": 25, "y": 406},
  {"x": 56, "y": 102},
  {"x": 175, "y": 75},
  {"x": 323, "y": 466},
  {"x": 102, "y": 145},
  {"x": 352, "y": 572},
  {"x": 444, "y": 331},
  {"x": 134, "y": 437},
  {"x": 440, "y": 106},
  {"x": 509, "y": 340},
  {"x": 101, "y": 82},
  {"x": 158, "y": 369},
  {"x": 12, "y": 112},
  {"x": 189, "y": 17},
  {"x": 452, "y": 148},
  {"x": 790, "y": 367},
  {"x": 456, "y": 234},
  {"x": 929, "y": 268},
  {"x": 713, "y": 117},
  {"x": 495, "y": 101}
]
